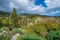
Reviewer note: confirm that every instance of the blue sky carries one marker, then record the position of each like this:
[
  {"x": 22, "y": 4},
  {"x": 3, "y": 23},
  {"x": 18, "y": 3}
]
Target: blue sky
[
  {"x": 40, "y": 2},
  {"x": 42, "y": 7}
]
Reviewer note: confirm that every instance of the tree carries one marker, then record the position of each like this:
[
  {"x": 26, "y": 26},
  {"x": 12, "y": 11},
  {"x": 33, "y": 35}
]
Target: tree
[
  {"x": 0, "y": 23},
  {"x": 13, "y": 18}
]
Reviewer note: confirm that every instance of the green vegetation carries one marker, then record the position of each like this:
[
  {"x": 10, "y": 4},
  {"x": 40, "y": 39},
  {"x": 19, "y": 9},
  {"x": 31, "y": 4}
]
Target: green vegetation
[
  {"x": 30, "y": 37},
  {"x": 29, "y": 26},
  {"x": 54, "y": 35}
]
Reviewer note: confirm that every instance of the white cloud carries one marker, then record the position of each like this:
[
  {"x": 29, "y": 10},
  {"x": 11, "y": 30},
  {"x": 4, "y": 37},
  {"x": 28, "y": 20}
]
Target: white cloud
[
  {"x": 53, "y": 12},
  {"x": 11, "y": 5},
  {"x": 30, "y": 7},
  {"x": 52, "y": 7},
  {"x": 47, "y": 1},
  {"x": 39, "y": 8},
  {"x": 52, "y": 3},
  {"x": 27, "y": 5}
]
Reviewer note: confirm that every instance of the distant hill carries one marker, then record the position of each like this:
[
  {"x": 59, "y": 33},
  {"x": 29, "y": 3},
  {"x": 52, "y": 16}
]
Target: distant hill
[
  {"x": 32, "y": 15},
  {"x": 2, "y": 13}
]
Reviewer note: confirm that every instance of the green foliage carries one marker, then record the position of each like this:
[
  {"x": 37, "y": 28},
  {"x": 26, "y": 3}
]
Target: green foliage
[
  {"x": 27, "y": 31},
  {"x": 4, "y": 23},
  {"x": 15, "y": 30},
  {"x": 5, "y": 28},
  {"x": 51, "y": 25},
  {"x": 54, "y": 35},
  {"x": 40, "y": 29},
  {"x": 5, "y": 35},
  {"x": 13, "y": 19},
  {"x": 5, "y": 38},
  {"x": 30, "y": 37},
  {"x": 0, "y": 23}
]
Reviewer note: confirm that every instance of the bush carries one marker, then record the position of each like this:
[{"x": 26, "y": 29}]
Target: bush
[
  {"x": 54, "y": 35},
  {"x": 4, "y": 36},
  {"x": 40, "y": 29},
  {"x": 29, "y": 37},
  {"x": 37, "y": 28},
  {"x": 15, "y": 30},
  {"x": 5, "y": 28},
  {"x": 4, "y": 22}
]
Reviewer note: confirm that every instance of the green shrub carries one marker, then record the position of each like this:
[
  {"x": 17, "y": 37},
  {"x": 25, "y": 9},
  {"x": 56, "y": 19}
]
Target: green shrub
[
  {"x": 29, "y": 37},
  {"x": 15, "y": 30},
  {"x": 5, "y": 34},
  {"x": 5, "y": 28},
  {"x": 5, "y": 37},
  {"x": 54, "y": 35}
]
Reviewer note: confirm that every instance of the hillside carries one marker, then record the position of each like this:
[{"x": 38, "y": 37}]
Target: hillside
[
  {"x": 2, "y": 13},
  {"x": 28, "y": 24}
]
